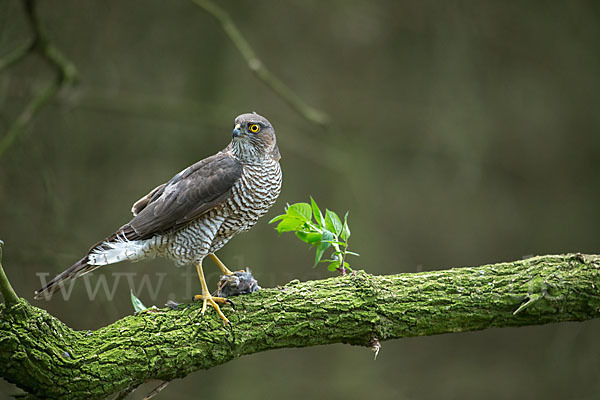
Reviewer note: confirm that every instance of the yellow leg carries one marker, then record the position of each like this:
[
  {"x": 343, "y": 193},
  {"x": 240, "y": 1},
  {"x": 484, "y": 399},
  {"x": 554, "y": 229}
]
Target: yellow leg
[
  {"x": 207, "y": 298},
  {"x": 220, "y": 264}
]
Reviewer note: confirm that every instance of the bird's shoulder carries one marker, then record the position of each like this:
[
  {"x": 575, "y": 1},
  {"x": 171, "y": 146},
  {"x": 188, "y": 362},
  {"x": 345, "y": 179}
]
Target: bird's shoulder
[{"x": 205, "y": 167}]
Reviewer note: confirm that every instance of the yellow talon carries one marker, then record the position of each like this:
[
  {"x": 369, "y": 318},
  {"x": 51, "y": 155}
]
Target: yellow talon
[
  {"x": 213, "y": 302},
  {"x": 207, "y": 298}
]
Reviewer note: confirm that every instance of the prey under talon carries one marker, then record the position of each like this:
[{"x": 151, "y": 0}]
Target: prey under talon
[
  {"x": 239, "y": 282},
  {"x": 206, "y": 297}
]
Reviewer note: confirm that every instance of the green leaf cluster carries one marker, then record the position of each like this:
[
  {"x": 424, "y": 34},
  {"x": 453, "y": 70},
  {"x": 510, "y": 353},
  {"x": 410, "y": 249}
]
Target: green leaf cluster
[{"x": 321, "y": 231}]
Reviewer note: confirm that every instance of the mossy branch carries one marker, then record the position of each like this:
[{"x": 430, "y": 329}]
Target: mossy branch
[
  {"x": 46, "y": 358},
  {"x": 258, "y": 67}
]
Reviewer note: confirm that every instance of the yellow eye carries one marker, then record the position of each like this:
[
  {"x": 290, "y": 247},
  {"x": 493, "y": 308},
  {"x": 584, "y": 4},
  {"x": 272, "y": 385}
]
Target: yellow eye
[{"x": 254, "y": 128}]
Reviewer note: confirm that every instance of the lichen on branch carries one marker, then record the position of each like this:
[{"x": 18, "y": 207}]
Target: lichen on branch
[{"x": 360, "y": 309}]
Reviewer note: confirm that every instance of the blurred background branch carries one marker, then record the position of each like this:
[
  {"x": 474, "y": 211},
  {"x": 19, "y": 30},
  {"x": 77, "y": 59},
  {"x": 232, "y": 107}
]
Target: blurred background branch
[
  {"x": 258, "y": 67},
  {"x": 65, "y": 73},
  {"x": 15, "y": 56}
]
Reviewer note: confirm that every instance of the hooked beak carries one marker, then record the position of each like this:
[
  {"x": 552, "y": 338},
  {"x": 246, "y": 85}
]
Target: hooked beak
[{"x": 237, "y": 131}]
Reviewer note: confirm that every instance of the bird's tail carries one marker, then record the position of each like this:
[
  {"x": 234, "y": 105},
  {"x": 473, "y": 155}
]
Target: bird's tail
[
  {"x": 81, "y": 267},
  {"x": 113, "y": 249}
]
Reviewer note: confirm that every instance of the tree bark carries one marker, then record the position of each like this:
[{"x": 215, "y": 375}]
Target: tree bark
[{"x": 46, "y": 358}]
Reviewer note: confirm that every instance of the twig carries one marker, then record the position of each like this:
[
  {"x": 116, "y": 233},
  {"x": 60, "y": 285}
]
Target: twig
[
  {"x": 125, "y": 392},
  {"x": 66, "y": 73},
  {"x": 156, "y": 390},
  {"x": 10, "y": 297},
  {"x": 258, "y": 67},
  {"x": 65, "y": 69}
]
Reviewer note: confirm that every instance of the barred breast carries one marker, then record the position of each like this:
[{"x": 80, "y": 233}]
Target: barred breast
[{"x": 251, "y": 197}]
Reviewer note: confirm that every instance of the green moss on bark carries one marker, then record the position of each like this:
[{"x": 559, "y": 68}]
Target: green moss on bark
[{"x": 47, "y": 358}]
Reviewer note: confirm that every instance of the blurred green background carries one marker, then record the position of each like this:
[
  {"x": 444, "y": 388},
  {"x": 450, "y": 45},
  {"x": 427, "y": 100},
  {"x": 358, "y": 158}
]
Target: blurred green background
[{"x": 463, "y": 133}]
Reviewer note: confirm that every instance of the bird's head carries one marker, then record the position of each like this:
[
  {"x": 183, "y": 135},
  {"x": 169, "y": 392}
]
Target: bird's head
[{"x": 254, "y": 138}]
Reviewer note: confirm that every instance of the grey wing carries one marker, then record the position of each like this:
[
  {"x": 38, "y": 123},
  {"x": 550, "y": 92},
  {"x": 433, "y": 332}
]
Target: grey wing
[
  {"x": 143, "y": 202},
  {"x": 184, "y": 198}
]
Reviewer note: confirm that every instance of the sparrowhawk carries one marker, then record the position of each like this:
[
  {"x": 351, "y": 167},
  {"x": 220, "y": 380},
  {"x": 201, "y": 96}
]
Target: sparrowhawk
[{"x": 198, "y": 211}]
